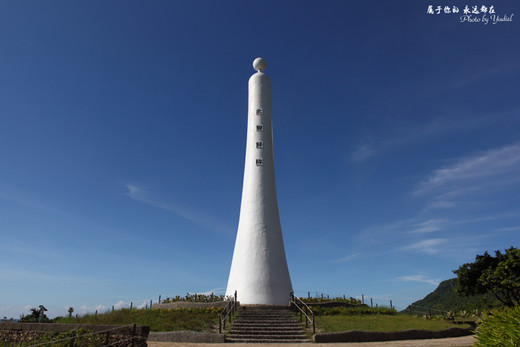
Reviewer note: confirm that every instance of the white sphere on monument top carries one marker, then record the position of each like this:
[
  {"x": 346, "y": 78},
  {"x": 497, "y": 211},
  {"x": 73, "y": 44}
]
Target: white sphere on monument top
[{"x": 259, "y": 64}]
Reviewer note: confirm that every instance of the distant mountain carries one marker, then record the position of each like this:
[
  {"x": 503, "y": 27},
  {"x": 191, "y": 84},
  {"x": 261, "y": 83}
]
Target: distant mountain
[{"x": 445, "y": 298}]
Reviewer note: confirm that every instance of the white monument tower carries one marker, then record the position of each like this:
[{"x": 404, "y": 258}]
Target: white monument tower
[{"x": 259, "y": 270}]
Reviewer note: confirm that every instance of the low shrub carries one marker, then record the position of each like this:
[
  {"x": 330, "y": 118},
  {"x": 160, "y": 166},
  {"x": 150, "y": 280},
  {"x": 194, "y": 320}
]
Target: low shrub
[{"x": 500, "y": 328}]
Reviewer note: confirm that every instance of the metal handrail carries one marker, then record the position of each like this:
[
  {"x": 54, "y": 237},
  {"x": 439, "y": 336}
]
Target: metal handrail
[
  {"x": 293, "y": 302},
  {"x": 230, "y": 309}
]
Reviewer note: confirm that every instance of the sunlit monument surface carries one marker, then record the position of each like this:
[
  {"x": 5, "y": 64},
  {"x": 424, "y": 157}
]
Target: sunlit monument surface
[{"x": 259, "y": 272}]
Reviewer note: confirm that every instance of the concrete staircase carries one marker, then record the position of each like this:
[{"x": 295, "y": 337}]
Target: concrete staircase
[{"x": 265, "y": 324}]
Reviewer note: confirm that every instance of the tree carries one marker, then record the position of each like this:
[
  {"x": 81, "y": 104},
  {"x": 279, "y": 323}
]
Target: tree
[
  {"x": 499, "y": 275},
  {"x": 35, "y": 316}
]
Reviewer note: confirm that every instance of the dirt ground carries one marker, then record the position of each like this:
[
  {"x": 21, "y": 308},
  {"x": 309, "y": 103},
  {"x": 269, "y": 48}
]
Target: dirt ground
[{"x": 464, "y": 341}]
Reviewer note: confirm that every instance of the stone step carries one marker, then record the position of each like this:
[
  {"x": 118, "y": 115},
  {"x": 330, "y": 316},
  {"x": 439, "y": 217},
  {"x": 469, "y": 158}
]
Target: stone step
[
  {"x": 266, "y": 328},
  {"x": 265, "y": 325},
  {"x": 263, "y": 320},
  {"x": 266, "y": 336},
  {"x": 240, "y": 340},
  {"x": 266, "y": 315},
  {"x": 265, "y": 332},
  {"x": 287, "y": 326}
]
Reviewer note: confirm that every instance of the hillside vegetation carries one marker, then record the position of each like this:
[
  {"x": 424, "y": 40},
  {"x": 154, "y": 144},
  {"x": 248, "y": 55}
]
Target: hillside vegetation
[{"x": 445, "y": 298}]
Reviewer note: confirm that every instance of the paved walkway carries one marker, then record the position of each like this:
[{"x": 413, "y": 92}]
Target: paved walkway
[{"x": 465, "y": 341}]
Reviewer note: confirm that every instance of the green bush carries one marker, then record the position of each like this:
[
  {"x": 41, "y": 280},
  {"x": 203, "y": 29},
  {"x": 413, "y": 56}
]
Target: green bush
[{"x": 500, "y": 328}]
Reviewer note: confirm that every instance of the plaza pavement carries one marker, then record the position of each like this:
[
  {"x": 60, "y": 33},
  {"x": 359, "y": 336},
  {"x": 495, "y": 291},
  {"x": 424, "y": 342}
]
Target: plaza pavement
[{"x": 465, "y": 341}]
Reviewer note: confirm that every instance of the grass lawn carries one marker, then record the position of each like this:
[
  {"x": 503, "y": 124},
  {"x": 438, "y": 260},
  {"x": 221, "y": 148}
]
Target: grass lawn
[
  {"x": 374, "y": 322},
  {"x": 157, "y": 320}
]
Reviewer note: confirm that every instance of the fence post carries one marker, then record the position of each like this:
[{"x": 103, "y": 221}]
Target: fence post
[
  {"x": 309, "y": 295},
  {"x": 410, "y": 307},
  {"x": 159, "y": 298},
  {"x": 371, "y": 303},
  {"x": 112, "y": 308},
  {"x": 391, "y": 304},
  {"x": 150, "y": 304},
  {"x": 131, "y": 304},
  {"x": 363, "y": 298}
]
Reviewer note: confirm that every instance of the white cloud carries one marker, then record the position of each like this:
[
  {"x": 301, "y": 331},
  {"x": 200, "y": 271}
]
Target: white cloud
[
  {"x": 428, "y": 226},
  {"x": 138, "y": 194},
  {"x": 497, "y": 166},
  {"x": 120, "y": 304},
  {"x": 429, "y": 246},
  {"x": 348, "y": 258},
  {"x": 363, "y": 152},
  {"x": 84, "y": 309},
  {"x": 405, "y": 134},
  {"x": 214, "y": 291},
  {"x": 419, "y": 278}
]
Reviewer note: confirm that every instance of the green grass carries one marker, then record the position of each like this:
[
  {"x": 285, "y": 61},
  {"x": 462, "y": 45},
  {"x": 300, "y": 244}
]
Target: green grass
[
  {"x": 194, "y": 319},
  {"x": 375, "y": 322}
]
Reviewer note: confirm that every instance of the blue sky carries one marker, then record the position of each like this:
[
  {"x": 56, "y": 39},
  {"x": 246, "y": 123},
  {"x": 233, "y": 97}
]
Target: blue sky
[{"x": 122, "y": 141}]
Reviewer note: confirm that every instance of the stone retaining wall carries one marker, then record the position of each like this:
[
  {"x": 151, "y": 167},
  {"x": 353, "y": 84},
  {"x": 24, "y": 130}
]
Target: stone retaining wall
[
  {"x": 372, "y": 336},
  {"x": 27, "y": 332}
]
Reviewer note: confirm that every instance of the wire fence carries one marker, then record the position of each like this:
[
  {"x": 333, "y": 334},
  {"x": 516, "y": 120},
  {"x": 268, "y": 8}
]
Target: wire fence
[{"x": 315, "y": 296}]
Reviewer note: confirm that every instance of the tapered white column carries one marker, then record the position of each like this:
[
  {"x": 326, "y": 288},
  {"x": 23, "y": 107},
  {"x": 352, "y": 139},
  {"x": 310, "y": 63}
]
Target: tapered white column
[{"x": 259, "y": 271}]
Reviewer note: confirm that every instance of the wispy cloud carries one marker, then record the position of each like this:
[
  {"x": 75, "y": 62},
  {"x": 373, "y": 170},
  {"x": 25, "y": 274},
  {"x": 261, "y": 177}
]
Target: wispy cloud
[
  {"x": 428, "y": 226},
  {"x": 406, "y": 134},
  {"x": 363, "y": 152},
  {"x": 30, "y": 201},
  {"x": 492, "y": 165},
  {"x": 138, "y": 194},
  {"x": 429, "y": 246},
  {"x": 348, "y": 258},
  {"x": 419, "y": 278}
]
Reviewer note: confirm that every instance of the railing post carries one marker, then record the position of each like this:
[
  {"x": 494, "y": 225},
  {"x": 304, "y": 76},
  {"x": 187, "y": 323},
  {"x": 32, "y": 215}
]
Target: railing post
[
  {"x": 313, "y": 324},
  {"x": 306, "y": 318}
]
